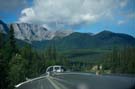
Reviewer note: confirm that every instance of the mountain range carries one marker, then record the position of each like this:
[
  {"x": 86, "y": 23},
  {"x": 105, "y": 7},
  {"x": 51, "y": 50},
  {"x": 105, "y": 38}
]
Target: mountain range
[
  {"x": 32, "y": 32},
  {"x": 40, "y": 37}
]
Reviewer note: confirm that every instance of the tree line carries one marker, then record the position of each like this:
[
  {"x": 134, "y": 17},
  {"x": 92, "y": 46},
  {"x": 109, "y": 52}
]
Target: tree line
[{"x": 121, "y": 60}]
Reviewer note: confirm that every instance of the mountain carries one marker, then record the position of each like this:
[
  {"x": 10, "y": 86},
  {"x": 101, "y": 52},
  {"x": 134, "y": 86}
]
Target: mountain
[
  {"x": 29, "y": 32},
  {"x": 76, "y": 40},
  {"x": 33, "y": 32},
  {"x": 107, "y": 38}
]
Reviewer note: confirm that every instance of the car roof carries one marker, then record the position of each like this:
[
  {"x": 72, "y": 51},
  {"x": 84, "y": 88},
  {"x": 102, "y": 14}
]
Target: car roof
[{"x": 56, "y": 66}]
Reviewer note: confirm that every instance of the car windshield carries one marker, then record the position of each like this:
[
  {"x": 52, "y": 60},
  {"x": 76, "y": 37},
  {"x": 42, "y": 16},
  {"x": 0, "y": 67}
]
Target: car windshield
[
  {"x": 50, "y": 69},
  {"x": 67, "y": 44},
  {"x": 57, "y": 68}
]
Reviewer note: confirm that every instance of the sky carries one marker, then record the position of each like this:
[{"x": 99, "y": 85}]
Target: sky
[{"x": 78, "y": 15}]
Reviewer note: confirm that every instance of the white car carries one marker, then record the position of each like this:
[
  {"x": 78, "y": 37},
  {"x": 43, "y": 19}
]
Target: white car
[{"x": 55, "y": 69}]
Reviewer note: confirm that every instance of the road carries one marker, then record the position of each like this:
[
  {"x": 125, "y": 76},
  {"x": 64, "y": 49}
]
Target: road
[{"x": 79, "y": 81}]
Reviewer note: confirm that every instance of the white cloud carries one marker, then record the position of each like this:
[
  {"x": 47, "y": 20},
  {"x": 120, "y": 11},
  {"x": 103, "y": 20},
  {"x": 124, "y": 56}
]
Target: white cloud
[
  {"x": 123, "y": 3},
  {"x": 68, "y": 12},
  {"x": 27, "y": 15},
  {"x": 120, "y": 22}
]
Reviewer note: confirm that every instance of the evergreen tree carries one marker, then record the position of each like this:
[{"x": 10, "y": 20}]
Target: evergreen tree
[
  {"x": 12, "y": 42},
  {"x": 8, "y": 50},
  {"x": 3, "y": 66},
  {"x": 35, "y": 61},
  {"x": 10, "y": 47},
  {"x": 27, "y": 53},
  {"x": 49, "y": 53},
  {"x": 1, "y": 40},
  {"x": 34, "y": 65},
  {"x": 122, "y": 60},
  {"x": 17, "y": 70},
  {"x": 54, "y": 52}
]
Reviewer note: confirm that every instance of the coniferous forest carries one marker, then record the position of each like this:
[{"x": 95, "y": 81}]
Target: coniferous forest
[
  {"x": 18, "y": 63},
  {"x": 121, "y": 60}
]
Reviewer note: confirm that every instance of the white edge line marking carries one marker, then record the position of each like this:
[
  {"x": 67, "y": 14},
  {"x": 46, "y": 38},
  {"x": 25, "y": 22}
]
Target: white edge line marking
[
  {"x": 30, "y": 80},
  {"x": 75, "y": 73}
]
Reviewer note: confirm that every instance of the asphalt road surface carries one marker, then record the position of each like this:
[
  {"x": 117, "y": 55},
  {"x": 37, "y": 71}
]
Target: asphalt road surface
[{"x": 79, "y": 81}]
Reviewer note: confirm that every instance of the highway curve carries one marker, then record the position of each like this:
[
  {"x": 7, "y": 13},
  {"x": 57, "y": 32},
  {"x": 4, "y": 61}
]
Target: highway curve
[{"x": 79, "y": 81}]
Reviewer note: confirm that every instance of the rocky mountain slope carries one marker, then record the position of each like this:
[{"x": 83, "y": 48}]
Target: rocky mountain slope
[{"x": 33, "y": 32}]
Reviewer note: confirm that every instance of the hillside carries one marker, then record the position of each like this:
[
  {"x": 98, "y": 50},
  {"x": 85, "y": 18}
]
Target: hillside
[{"x": 76, "y": 40}]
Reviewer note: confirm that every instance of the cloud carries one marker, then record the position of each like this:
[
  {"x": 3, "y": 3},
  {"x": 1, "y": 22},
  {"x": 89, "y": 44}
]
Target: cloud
[
  {"x": 127, "y": 17},
  {"x": 27, "y": 15},
  {"x": 123, "y": 3},
  {"x": 12, "y": 5},
  {"x": 120, "y": 22},
  {"x": 131, "y": 15},
  {"x": 69, "y": 12}
]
